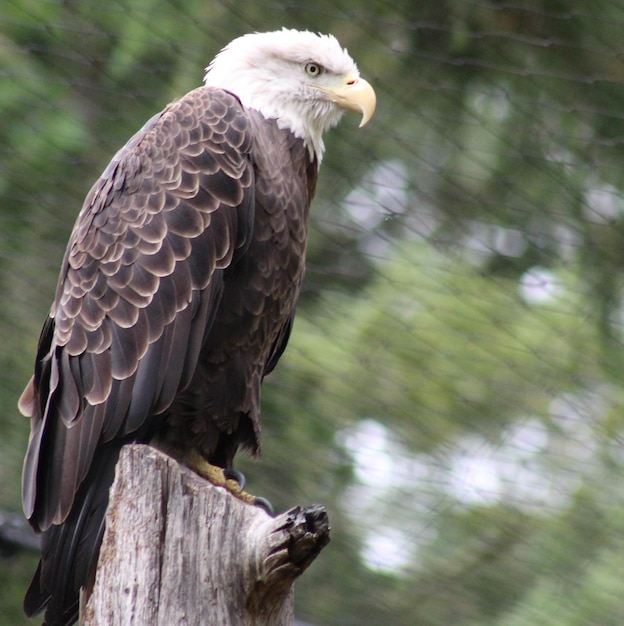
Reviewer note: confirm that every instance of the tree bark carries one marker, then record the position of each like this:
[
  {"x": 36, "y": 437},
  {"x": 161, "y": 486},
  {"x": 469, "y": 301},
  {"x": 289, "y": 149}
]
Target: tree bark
[{"x": 178, "y": 550}]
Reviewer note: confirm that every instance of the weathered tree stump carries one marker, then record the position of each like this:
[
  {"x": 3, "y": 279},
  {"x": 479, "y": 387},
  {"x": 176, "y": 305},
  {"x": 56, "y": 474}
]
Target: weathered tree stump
[{"x": 178, "y": 550}]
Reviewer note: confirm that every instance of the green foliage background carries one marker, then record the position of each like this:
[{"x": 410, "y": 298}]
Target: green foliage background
[{"x": 453, "y": 388}]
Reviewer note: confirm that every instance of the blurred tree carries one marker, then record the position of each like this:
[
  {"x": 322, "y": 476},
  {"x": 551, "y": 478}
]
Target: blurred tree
[{"x": 452, "y": 391}]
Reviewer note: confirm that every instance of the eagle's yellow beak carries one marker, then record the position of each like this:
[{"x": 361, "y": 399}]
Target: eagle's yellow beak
[{"x": 355, "y": 94}]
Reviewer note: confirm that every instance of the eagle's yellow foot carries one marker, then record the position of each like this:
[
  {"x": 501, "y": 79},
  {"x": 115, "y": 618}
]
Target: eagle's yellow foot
[{"x": 230, "y": 479}]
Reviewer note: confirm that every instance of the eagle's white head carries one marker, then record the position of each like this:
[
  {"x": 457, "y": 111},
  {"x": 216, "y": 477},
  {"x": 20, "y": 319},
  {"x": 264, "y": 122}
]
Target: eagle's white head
[{"x": 303, "y": 80}]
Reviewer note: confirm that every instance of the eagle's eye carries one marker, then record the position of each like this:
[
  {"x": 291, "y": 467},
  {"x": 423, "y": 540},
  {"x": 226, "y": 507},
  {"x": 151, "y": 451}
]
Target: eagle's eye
[{"x": 313, "y": 69}]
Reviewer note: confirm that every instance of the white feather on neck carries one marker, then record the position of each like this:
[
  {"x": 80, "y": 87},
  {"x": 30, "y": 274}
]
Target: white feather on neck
[{"x": 265, "y": 71}]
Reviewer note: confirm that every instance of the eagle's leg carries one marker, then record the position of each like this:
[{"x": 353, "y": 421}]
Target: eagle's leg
[
  {"x": 230, "y": 479},
  {"x": 217, "y": 475}
]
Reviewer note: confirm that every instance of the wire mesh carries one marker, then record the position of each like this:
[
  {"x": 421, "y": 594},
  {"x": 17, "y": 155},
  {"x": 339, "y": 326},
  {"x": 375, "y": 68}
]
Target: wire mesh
[{"x": 452, "y": 390}]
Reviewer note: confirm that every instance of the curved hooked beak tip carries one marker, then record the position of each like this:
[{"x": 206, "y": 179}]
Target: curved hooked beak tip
[{"x": 355, "y": 94}]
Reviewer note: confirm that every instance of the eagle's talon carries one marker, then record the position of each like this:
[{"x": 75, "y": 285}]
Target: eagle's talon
[
  {"x": 235, "y": 475},
  {"x": 264, "y": 504}
]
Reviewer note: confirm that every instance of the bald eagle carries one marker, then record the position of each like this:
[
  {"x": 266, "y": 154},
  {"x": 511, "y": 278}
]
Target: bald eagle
[{"x": 178, "y": 288}]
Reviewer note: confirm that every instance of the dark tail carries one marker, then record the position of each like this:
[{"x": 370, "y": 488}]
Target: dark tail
[{"x": 69, "y": 551}]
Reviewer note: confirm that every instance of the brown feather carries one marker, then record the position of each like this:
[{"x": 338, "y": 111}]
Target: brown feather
[{"x": 175, "y": 299}]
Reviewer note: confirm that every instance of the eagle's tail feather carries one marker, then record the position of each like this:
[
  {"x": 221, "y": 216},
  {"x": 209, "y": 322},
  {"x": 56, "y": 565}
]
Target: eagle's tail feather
[{"x": 69, "y": 551}]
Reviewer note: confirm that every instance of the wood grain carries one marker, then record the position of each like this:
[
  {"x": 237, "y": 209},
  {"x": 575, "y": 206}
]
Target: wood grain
[{"x": 178, "y": 550}]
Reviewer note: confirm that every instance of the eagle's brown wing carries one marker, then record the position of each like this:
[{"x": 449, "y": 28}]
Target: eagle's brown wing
[{"x": 139, "y": 286}]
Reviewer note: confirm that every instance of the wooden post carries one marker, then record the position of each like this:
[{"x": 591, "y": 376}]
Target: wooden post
[{"x": 178, "y": 550}]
